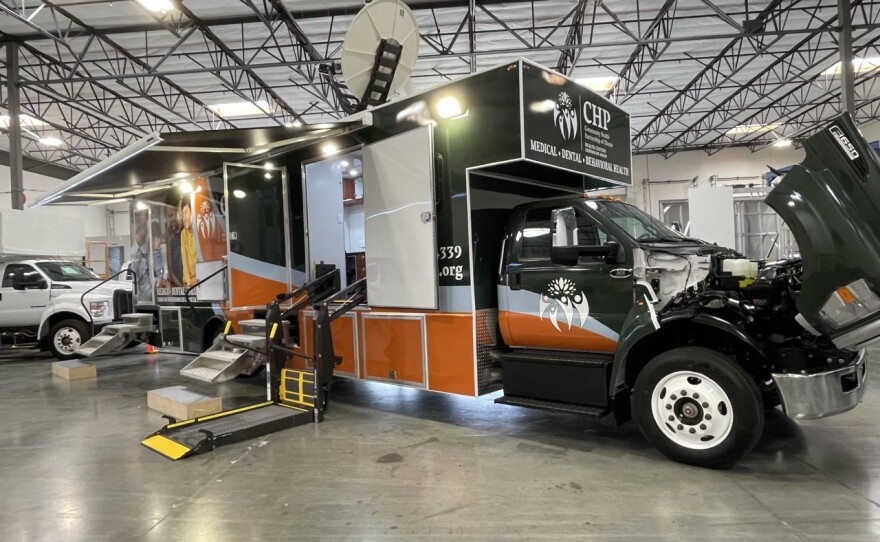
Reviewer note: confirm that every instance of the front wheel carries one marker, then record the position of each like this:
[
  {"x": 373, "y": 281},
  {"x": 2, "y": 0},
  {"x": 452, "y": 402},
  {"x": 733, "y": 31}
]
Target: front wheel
[
  {"x": 699, "y": 407},
  {"x": 66, "y": 336}
]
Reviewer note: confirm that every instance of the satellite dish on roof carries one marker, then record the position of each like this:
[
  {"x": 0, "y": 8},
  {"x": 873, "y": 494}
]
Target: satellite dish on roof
[{"x": 380, "y": 50}]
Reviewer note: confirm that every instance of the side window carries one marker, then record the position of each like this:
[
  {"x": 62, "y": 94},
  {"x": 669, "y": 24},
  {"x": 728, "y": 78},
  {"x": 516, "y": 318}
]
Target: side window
[
  {"x": 14, "y": 268},
  {"x": 573, "y": 229},
  {"x": 536, "y": 239}
]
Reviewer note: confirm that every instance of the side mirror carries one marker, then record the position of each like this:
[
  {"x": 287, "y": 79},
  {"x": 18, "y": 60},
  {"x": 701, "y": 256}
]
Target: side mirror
[
  {"x": 30, "y": 282},
  {"x": 570, "y": 255}
]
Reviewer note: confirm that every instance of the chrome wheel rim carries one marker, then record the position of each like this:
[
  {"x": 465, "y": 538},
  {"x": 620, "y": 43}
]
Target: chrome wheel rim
[
  {"x": 692, "y": 410},
  {"x": 67, "y": 340}
]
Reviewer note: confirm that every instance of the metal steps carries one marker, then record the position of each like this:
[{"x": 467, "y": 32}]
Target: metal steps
[
  {"x": 113, "y": 337},
  {"x": 231, "y": 355}
]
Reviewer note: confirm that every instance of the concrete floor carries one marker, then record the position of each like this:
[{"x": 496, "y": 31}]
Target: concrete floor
[{"x": 394, "y": 463}]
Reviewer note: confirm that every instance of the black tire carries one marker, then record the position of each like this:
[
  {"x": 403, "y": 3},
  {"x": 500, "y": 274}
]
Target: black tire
[
  {"x": 66, "y": 336},
  {"x": 737, "y": 426}
]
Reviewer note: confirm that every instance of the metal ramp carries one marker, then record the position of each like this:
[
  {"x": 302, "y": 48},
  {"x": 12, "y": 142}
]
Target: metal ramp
[
  {"x": 295, "y": 396},
  {"x": 231, "y": 355},
  {"x": 115, "y": 337}
]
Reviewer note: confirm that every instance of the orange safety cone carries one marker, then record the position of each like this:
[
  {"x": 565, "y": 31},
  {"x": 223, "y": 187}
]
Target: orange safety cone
[{"x": 152, "y": 349}]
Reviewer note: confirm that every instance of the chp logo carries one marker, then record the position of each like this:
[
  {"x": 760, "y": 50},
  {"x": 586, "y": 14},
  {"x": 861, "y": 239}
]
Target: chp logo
[
  {"x": 563, "y": 299},
  {"x": 565, "y": 117}
]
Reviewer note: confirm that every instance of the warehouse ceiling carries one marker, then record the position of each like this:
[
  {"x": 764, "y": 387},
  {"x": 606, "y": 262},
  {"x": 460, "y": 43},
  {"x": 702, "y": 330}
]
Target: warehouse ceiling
[{"x": 96, "y": 75}]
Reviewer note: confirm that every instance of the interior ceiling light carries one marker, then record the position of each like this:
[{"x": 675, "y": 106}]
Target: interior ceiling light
[
  {"x": 329, "y": 148},
  {"x": 26, "y": 120},
  {"x": 449, "y": 107},
  {"x": 860, "y": 65},
  {"x": 241, "y": 109},
  {"x": 159, "y": 6},
  {"x": 50, "y": 141},
  {"x": 294, "y": 124},
  {"x": 784, "y": 142},
  {"x": 602, "y": 83},
  {"x": 752, "y": 128}
]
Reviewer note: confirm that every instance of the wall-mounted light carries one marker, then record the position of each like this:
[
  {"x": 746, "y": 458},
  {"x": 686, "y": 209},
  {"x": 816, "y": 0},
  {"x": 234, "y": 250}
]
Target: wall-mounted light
[
  {"x": 329, "y": 148},
  {"x": 239, "y": 193},
  {"x": 185, "y": 187},
  {"x": 449, "y": 107}
]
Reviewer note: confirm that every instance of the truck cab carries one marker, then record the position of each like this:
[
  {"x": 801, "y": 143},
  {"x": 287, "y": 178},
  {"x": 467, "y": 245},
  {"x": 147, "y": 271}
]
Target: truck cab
[
  {"x": 41, "y": 303},
  {"x": 605, "y": 309}
]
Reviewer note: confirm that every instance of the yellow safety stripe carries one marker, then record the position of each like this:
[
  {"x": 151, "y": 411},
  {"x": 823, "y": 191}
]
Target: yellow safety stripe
[
  {"x": 219, "y": 414},
  {"x": 274, "y": 330},
  {"x": 165, "y": 446},
  {"x": 300, "y": 378},
  {"x": 228, "y": 327}
]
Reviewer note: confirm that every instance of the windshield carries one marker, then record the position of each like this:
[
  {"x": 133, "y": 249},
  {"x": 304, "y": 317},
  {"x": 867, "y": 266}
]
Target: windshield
[
  {"x": 640, "y": 225},
  {"x": 66, "y": 271}
]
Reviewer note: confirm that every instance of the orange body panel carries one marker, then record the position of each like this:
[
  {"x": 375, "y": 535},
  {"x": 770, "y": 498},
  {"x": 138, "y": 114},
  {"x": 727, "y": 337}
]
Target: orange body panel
[
  {"x": 393, "y": 349},
  {"x": 451, "y": 353},
  {"x": 533, "y": 331},
  {"x": 252, "y": 291}
]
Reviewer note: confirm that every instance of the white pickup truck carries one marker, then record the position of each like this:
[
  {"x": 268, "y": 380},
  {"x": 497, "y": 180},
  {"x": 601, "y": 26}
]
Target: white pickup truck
[{"x": 41, "y": 304}]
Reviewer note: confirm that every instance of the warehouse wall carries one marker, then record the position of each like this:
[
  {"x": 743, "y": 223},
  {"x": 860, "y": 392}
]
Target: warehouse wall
[
  {"x": 657, "y": 179},
  {"x": 36, "y": 186}
]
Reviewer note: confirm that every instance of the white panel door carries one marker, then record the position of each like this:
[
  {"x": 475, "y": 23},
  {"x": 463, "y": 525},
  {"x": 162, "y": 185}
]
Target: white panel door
[{"x": 400, "y": 226}]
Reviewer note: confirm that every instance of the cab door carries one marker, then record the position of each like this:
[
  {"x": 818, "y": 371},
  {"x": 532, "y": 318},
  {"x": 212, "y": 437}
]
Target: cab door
[
  {"x": 22, "y": 308},
  {"x": 576, "y": 305}
]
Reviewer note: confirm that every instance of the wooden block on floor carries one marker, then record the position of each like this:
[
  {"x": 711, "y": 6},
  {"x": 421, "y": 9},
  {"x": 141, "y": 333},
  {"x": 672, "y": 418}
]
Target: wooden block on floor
[
  {"x": 183, "y": 404},
  {"x": 73, "y": 369}
]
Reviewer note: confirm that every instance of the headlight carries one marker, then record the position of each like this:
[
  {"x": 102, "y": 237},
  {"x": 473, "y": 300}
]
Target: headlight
[
  {"x": 99, "y": 309},
  {"x": 850, "y": 303}
]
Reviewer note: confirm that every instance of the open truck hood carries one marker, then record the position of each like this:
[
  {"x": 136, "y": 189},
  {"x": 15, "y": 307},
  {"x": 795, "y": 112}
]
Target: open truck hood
[{"x": 831, "y": 202}]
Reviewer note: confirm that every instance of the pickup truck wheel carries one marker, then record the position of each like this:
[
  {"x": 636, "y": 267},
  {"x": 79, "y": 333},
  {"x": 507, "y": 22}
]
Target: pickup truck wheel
[
  {"x": 699, "y": 407},
  {"x": 66, "y": 336}
]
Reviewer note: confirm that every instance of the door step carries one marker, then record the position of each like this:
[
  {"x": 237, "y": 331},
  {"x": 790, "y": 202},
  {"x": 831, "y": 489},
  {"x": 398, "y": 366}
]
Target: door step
[
  {"x": 589, "y": 359},
  {"x": 553, "y": 406}
]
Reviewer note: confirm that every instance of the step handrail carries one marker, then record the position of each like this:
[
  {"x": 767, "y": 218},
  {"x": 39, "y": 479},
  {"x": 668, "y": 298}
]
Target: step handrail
[
  {"x": 189, "y": 289},
  {"x": 82, "y": 298}
]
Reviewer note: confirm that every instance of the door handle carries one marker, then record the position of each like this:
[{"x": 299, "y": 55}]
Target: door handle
[{"x": 514, "y": 281}]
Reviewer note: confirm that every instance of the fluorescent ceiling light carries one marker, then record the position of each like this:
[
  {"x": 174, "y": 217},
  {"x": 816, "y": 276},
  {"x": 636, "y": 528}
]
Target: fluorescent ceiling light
[
  {"x": 50, "y": 141},
  {"x": 294, "y": 124},
  {"x": 602, "y": 83},
  {"x": 785, "y": 142},
  {"x": 159, "y": 6},
  {"x": 26, "y": 120},
  {"x": 752, "y": 128},
  {"x": 860, "y": 65},
  {"x": 241, "y": 109}
]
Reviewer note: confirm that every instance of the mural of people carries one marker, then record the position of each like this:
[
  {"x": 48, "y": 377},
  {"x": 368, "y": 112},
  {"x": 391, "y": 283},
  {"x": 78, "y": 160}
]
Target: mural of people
[
  {"x": 212, "y": 237},
  {"x": 160, "y": 272},
  {"x": 172, "y": 244},
  {"x": 140, "y": 258},
  {"x": 188, "y": 245}
]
